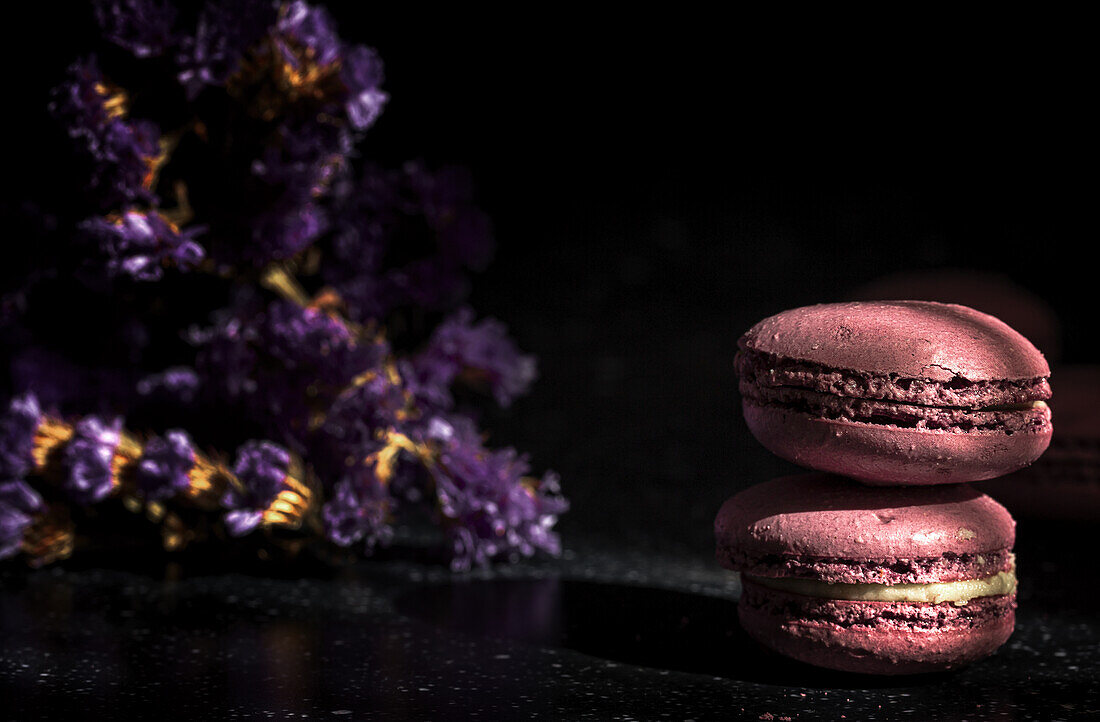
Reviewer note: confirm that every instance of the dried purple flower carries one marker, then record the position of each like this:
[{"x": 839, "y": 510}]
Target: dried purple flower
[
  {"x": 374, "y": 402},
  {"x": 481, "y": 353},
  {"x": 227, "y": 355},
  {"x": 405, "y": 237},
  {"x": 299, "y": 166},
  {"x": 18, "y": 505},
  {"x": 304, "y": 159},
  {"x": 227, "y": 30},
  {"x": 359, "y": 510},
  {"x": 309, "y": 46},
  {"x": 140, "y": 244},
  {"x": 125, "y": 153},
  {"x": 491, "y": 509},
  {"x": 164, "y": 466},
  {"x": 286, "y": 363},
  {"x": 17, "y": 429},
  {"x": 285, "y": 230},
  {"x": 316, "y": 375},
  {"x": 89, "y": 476},
  {"x": 361, "y": 74},
  {"x": 179, "y": 383},
  {"x": 144, "y": 27},
  {"x": 310, "y": 337},
  {"x": 308, "y": 28},
  {"x": 262, "y": 469}
]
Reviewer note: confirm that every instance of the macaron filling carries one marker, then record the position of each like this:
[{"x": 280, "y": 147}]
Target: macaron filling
[
  {"x": 1022, "y": 417},
  {"x": 893, "y": 570},
  {"x": 790, "y": 614},
  {"x": 761, "y": 369},
  {"x": 958, "y": 593}
]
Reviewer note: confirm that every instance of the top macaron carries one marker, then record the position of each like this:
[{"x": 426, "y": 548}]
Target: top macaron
[{"x": 895, "y": 392}]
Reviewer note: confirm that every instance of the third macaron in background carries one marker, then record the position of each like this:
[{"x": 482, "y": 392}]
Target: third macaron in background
[{"x": 1064, "y": 483}]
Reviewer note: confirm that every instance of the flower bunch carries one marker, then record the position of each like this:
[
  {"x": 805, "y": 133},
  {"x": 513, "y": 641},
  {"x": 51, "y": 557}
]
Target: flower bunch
[{"x": 239, "y": 271}]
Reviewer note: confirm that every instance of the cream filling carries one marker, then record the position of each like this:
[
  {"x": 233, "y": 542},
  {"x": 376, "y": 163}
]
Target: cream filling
[
  {"x": 958, "y": 593},
  {"x": 1022, "y": 406}
]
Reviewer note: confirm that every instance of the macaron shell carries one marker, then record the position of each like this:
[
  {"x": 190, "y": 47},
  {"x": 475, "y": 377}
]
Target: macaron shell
[
  {"x": 829, "y": 517},
  {"x": 989, "y": 292},
  {"x": 891, "y": 648},
  {"x": 887, "y": 455},
  {"x": 914, "y": 339}
]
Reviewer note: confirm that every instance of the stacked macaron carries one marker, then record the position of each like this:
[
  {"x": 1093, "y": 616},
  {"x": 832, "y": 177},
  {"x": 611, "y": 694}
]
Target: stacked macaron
[{"x": 889, "y": 562}]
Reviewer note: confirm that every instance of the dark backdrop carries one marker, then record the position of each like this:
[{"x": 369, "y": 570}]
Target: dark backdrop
[{"x": 661, "y": 181}]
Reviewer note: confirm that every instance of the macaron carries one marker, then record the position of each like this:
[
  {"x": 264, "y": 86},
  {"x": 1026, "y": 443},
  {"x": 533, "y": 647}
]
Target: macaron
[
  {"x": 895, "y": 392},
  {"x": 1064, "y": 484},
  {"x": 874, "y": 580}
]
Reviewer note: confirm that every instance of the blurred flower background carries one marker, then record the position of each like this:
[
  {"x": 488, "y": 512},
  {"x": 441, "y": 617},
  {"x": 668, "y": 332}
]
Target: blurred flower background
[{"x": 240, "y": 275}]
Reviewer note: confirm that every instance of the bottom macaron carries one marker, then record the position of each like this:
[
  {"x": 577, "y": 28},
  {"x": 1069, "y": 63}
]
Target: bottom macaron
[
  {"x": 871, "y": 580},
  {"x": 876, "y": 637}
]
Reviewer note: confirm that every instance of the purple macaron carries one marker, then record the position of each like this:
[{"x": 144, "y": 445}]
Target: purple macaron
[
  {"x": 895, "y": 392},
  {"x": 868, "y": 579}
]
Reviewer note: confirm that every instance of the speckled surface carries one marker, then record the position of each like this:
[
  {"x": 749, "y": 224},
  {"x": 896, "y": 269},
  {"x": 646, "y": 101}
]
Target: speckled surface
[{"x": 599, "y": 634}]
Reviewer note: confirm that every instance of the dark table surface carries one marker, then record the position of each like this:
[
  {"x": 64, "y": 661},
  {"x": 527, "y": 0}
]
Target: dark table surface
[{"x": 602, "y": 633}]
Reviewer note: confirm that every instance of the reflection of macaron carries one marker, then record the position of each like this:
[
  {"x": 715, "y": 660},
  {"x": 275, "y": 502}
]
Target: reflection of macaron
[
  {"x": 874, "y": 580},
  {"x": 895, "y": 392},
  {"x": 1065, "y": 482}
]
